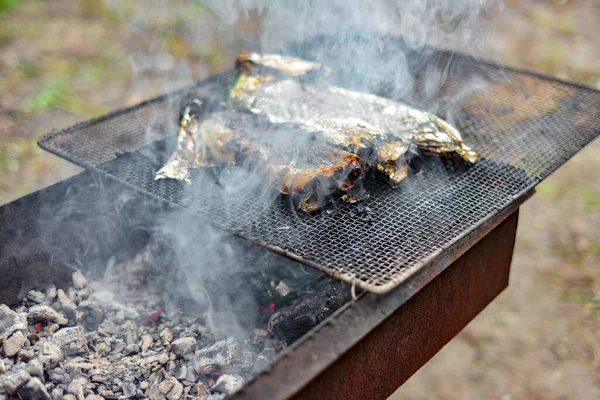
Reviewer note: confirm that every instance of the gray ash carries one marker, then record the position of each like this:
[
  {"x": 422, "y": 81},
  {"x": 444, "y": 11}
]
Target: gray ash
[{"x": 130, "y": 335}]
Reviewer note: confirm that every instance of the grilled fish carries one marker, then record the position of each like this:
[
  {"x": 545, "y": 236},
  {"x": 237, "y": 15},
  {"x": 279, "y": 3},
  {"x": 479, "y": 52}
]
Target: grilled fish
[
  {"x": 295, "y": 163},
  {"x": 386, "y": 133},
  {"x": 307, "y": 138}
]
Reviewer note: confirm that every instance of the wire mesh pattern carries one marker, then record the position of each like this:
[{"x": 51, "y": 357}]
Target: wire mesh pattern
[{"x": 523, "y": 125}]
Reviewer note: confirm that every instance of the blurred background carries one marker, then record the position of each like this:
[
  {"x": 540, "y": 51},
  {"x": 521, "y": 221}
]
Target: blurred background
[{"x": 64, "y": 61}]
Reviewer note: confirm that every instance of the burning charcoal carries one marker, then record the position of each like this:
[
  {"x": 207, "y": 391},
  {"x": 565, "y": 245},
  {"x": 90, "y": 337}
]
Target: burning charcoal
[
  {"x": 80, "y": 363},
  {"x": 119, "y": 346},
  {"x": 183, "y": 346},
  {"x": 191, "y": 373},
  {"x": 10, "y": 322},
  {"x": 8, "y": 364},
  {"x": 132, "y": 337},
  {"x": 229, "y": 383},
  {"x": 181, "y": 374},
  {"x": 203, "y": 393},
  {"x": 129, "y": 390},
  {"x": 171, "y": 389},
  {"x": 240, "y": 353},
  {"x": 21, "y": 309},
  {"x": 102, "y": 349},
  {"x": 153, "y": 392},
  {"x": 233, "y": 352},
  {"x": 132, "y": 353},
  {"x": 293, "y": 322},
  {"x": 26, "y": 354},
  {"x": 58, "y": 375},
  {"x": 36, "y": 296},
  {"x": 163, "y": 358},
  {"x": 108, "y": 327},
  {"x": 34, "y": 368},
  {"x": 152, "y": 318},
  {"x": 167, "y": 336},
  {"x": 93, "y": 314},
  {"x": 77, "y": 295},
  {"x": 211, "y": 359},
  {"x": 283, "y": 289},
  {"x": 71, "y": 340},
  {"x": 130, "y": 313},
  {"x": 118, "y": 318},
  {"x": 10, "y": 383},
  {"x": 259, "y": 335},
  {"x": 132, "y": 349},
  {"x": 149, "y": 361},
  {"x": 264, "y": 360},
  {"x": 105, "y": 393},
  {"x": 34, "y": 390},
  {"x": 77, "y": 387},
  {"x": 13, "y": 344},
  {"x": 57, "y": 394},
  {"x": 146, "y": 342},
  {"x": 105, "y": 297},
  {"x": 79, "y": 281},
  {"x": 45, "y": 314},
  {"x": 50, "y": 293},
  {"x": 6, "y": 387},
  {"x": 98, "y": 378},
  {"x": 68, "y": 307}
]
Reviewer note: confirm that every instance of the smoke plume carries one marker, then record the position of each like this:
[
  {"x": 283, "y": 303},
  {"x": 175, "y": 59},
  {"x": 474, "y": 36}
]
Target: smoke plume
[{"x": 351, "y": 36}]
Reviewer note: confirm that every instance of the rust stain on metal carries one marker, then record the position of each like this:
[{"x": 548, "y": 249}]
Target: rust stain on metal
[
  {"x": 381, "y": 362},
  {"x": 387, "y": 338}
]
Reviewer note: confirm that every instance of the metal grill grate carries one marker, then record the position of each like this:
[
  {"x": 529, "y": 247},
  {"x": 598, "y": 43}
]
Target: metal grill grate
[{"x": 523, "y": 125}]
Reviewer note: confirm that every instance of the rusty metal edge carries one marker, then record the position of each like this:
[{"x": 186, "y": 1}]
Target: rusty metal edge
[
  {"x": 396, "y": 280},
  {"x": 351, "y": 323}
]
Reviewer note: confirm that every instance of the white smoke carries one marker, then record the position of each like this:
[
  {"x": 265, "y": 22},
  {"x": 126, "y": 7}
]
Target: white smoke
[
  {"x": 273, "y": 26},
  {"x": 438, "y": 22}
]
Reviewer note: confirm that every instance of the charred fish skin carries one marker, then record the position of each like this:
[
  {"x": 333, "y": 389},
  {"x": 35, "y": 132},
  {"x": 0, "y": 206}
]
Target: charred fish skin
[{"x": 295, "y": 163}]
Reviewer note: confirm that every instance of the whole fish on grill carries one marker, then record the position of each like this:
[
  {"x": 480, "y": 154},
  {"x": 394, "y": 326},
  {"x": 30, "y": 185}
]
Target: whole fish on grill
[
  {"x": 307, "y": 138},
  {"x": 386, "y": 133},
  {"x": 292, "y": 161}
]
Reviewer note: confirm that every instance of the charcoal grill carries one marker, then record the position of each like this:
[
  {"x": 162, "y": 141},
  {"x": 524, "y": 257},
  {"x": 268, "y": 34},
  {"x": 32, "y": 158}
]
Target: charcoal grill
[
  {"x": 366, "y": 349},
  {"x": 445, "y": 238},
  {"x": 524, "y": 125}
]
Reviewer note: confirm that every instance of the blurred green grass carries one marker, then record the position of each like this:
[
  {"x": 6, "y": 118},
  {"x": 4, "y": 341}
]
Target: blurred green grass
[
  {"x": 6, "y": 5},
  {"x": 59, "y": 94}
]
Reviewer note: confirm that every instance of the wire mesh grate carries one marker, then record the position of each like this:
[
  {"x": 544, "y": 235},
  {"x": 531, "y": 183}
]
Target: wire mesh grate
[{"x": 523, "y": 125}]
